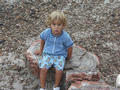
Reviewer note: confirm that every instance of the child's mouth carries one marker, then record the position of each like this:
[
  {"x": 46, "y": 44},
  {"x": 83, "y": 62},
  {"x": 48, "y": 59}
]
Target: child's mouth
[{"x": 56, "y": 30}]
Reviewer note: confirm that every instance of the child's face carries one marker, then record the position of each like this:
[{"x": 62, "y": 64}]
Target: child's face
[{"x": 56, "y": 27}]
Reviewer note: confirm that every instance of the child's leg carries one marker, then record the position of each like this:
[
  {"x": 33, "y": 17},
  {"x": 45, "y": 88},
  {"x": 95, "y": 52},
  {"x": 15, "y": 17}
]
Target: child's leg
[
  {"x": 43, "y": 75},
  {"x": 59, "y": 63},
  {"x": 58, "y": 76},
  {"x": 45, "y": 64}
]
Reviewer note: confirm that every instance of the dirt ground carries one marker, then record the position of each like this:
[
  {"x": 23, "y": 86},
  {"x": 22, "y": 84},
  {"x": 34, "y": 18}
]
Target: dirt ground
[{"x": 92, "y": 24}]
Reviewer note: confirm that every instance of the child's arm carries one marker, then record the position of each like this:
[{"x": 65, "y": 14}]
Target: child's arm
[
  {"x": 42, "y": 42},
  {"x": 69, "y": 53}
]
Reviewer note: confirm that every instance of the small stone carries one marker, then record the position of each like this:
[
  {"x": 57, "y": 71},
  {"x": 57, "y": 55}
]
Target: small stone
[
  {"x": 1, "y": 60},
  {"x": 2, "y": 41}
]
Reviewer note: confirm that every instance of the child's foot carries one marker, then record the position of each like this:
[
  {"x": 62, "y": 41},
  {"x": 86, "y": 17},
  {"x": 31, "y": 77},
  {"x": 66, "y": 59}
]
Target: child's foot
[
  {"x": 57, "y": 88},
  {"x": 42, "y": 89}
]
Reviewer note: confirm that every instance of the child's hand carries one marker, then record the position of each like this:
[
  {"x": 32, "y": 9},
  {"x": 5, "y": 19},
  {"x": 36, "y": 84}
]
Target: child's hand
[
  {"x": 67, "y": 58},
  {"x": 37, "y": 52}
]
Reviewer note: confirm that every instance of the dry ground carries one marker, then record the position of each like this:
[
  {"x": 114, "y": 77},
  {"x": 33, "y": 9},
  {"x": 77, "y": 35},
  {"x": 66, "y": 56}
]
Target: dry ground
[{"x": 92, "y": 24}]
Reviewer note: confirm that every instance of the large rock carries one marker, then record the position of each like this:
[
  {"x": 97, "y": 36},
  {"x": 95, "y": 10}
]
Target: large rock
[
  {"x": 82, "y": 60},
  {"x": 82, "y": 66},
  {"x": 80, "y": 73}
]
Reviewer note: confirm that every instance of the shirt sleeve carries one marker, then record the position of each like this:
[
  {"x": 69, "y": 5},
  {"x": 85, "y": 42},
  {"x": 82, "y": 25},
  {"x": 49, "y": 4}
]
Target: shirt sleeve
[
  {"x": 43, "y": 35},
  {"x": 68, "y": 41}
]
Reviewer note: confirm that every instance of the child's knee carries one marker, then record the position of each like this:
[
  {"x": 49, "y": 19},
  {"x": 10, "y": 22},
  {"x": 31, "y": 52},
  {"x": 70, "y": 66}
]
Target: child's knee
[
  {"x": 59, "y": 71},
  {"x": 43, "y": 70}
]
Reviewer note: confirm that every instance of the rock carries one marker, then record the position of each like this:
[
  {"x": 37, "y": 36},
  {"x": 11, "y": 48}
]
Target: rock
[
  {"x": 80, "y": 76},
  {"x": 82, "y": 61},
  {"x": 90, "y": 85},
  {"x": 118, "y": 81},
  {"x": 82, "y": 66},
  {"x": 2, "y": 41},
  {"x": 88, "y": 62},
  {"x": 78, "y": 52},
  {"x": 32, "y": 58},
  {"x": 1, "y": 60},
  {"x": 106, "y": 1}
]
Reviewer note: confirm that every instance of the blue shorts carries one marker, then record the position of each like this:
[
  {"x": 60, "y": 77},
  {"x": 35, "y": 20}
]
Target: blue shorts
[{"x": 50, "y": 60}]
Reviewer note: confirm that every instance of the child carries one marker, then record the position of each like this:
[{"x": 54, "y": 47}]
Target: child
[{"x": 56, "y": 48}]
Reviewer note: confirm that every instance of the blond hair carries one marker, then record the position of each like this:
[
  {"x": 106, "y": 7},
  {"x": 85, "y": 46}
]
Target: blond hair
[{"x": 56, "y": 15}]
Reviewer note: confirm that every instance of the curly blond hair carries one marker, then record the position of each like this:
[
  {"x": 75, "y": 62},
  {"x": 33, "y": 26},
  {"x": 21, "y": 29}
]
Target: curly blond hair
[{"x": 56, "y": 15}]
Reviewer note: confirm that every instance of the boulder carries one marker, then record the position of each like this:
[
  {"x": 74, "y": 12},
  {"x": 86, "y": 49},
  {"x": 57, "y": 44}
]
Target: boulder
[{"x": 80, "y": 73}]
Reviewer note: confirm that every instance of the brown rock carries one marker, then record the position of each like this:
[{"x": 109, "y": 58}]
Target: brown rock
[{"x": 79, "y": 76}]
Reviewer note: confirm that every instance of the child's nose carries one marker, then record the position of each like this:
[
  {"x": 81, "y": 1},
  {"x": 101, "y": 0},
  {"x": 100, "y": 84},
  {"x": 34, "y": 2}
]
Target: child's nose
[{"x": 56, "y": 26}]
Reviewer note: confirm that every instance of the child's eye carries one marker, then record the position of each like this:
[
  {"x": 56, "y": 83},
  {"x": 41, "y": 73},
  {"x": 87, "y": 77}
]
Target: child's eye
[
  {"x": 54, "y": 24},
  {"x": 59, "y": 24}
]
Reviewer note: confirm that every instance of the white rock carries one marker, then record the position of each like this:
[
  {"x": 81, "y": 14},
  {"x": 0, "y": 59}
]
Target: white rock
[
  {"x": 1, "y": 60},
  {"x": 12, "y": 1},
  {"x": 118, "y": 81},
  {"x": 106, "y": 1}
]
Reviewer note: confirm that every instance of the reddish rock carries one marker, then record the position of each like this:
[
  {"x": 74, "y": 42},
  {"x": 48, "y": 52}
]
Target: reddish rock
[
  {"x": 32, "y": 58},
  {"x": 90, "y": 85},
  {"x": 79, "y": 76}
]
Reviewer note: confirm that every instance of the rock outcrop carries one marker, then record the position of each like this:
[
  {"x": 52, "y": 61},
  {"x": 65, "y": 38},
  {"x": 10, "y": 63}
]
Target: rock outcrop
[{"x": 80, "y": 72}]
